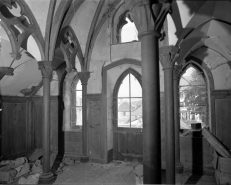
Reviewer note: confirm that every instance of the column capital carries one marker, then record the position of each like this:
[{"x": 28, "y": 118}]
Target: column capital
[
  {"x": 6, "y": 71},
  {"x": 168, "y": 56},
  {"x": 148, "y": 16},
  {"x": 46, "y": 68},
  {"x": 84, "y": 76}
]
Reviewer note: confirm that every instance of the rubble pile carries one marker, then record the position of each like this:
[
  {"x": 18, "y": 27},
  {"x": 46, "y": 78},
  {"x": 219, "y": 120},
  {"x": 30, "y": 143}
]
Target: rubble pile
[{"x": 28, "y": 170}]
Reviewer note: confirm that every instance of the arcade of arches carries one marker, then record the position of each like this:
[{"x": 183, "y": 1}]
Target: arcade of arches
[{"x": 103, "y": 80}]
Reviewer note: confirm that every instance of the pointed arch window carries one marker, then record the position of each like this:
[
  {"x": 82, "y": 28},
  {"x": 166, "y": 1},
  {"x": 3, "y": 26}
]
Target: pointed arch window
[
  {"x": 128, "y": 99},
  {"x": 193, "y": 98},
  {"x": 76, "y": 108}
]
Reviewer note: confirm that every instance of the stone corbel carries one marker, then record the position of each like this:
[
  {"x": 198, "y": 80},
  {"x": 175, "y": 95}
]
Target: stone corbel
[
  {"x": 148, "y": 17},
  {"x": 6, "y": 71},
  {"x": 84, "y": 76},
  {"x": 168, "y": 56},
  {"x": 46, "y": 69}
]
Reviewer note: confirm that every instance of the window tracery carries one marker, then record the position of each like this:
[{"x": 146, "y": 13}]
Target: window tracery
[
  {"x": 193, "y": 96},
  {"x": 128, "y": 100}
]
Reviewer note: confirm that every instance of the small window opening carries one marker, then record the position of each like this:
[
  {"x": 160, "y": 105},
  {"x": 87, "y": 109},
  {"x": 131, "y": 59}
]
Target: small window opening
[{"x": 128, "y": 32}]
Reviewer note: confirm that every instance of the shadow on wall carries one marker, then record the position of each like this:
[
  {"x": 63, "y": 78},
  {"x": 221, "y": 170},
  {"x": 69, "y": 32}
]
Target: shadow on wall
[
  {"x": 61, "y": 137},
  {"x": 197, "y": 147}
]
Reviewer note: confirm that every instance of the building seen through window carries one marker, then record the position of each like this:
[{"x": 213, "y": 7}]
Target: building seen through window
[
  {"x": 193, "y": 98},
  {"x": 129, "y": 103},
  {"x": 76, "y": 110}
]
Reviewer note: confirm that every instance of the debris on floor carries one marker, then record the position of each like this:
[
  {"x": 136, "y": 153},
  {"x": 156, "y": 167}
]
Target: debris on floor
[
  {"x": 12, "y": 169},
  {"x": 15, "y": 163},
  {"x": 38, "y": 153},
  {"x": 65, "y": 162},
  {"x": 221, "y": 158},
  {"x": 31, "y": 179},
  {"x": 28, "y": 170},
  {"x": 37, "y": 167}
]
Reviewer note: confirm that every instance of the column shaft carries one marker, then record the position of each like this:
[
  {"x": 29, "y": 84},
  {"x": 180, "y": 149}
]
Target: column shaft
[
  {"x": 46, "y": 124},
  {"x": 46, "y": 69},
  {"x": 179, "y": 167},
  {"x": 169, "y": 125},
  {"x": 84, "y": 111},
  {"x": 151, "y": 109},
  {"x": 84, "y": 76}
]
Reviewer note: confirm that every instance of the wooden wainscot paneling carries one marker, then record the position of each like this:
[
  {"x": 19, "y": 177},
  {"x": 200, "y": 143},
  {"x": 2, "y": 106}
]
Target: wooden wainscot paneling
[
  {"x": 21, "y": 124},
  {"x": 94, "y": 126},
  {"x": 37, "y": 119},
  {"x": 222, "y": 116},
  {"x": 13, "y": 126}
]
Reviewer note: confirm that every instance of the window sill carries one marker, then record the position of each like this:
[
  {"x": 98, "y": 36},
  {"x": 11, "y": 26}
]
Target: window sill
[{"x": 74, "y": 129}]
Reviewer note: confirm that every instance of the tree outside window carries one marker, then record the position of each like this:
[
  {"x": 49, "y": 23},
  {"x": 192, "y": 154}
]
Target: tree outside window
[{"x": 193, "y": 98}]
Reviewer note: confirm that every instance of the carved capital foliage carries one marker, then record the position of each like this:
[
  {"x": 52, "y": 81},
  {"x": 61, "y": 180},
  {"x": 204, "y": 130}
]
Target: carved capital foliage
[
  {"x": 46, "y": 69},
  {"x": 6, "y": 71},
  {"x": 148, "y": 16},
  {"x": 18, "y": 28},
  {"x": 84, "y": 76},
  {"x": 168, "y": 56},
  {"x": 70, "y": 47}
]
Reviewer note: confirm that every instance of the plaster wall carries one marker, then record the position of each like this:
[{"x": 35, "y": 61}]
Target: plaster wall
[
  {"x": 219, "y": 66},
  {"x": 182, "y": 13},
  {"x": 82, "y": 20},
  {"x": 126, "y": 50},
  {"x": 100, "y": 56},
  {"x": 40, "y": 11},
  {"x": 101, "y": 50},
  {"x": 11, "y": 85},
  {"x": 95, "y": 80}
]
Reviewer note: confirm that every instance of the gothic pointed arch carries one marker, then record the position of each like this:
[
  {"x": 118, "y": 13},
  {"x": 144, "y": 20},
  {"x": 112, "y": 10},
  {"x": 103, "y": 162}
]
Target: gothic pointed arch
[
  {"x": 70, "y": 46},
  {"x": 20, "y": 28},
  {"x": 127, "y": 98},
  {"x": 195, "y": 86}
]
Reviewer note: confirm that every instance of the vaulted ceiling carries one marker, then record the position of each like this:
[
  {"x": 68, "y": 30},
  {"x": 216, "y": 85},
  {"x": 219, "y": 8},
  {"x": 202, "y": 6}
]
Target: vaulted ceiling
[{"x": 192, "y": 25}]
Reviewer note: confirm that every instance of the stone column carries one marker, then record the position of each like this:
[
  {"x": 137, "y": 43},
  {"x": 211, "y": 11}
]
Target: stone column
[
  {"x": 148, "y": 18},
  {"x": 84, "y": 76},
  {"x": 46, "y": 70},
  {"x": 168, "y": 56},
  {"x": 179, "y": 166}
]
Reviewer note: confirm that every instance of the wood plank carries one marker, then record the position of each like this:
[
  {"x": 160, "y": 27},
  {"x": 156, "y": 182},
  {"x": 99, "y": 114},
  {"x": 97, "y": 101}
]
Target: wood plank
[
  {"x": 223, "y": 117},
  {"x": 14, "y": 128},
  {"x": 37, "y": 120}
]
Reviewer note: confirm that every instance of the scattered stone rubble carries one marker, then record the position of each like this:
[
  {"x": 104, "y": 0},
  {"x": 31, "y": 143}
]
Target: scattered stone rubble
[{"x": 34, "y": 170}]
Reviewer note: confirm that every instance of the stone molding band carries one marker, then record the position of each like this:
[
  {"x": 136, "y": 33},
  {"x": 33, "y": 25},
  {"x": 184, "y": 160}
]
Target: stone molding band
[{"x": 151, "y": 32}]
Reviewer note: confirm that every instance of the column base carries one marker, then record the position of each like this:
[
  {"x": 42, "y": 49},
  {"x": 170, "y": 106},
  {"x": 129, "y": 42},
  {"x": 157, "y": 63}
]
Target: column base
[
  {"x": 46, "y": 178},
  {"x": 179, "y": 168},
  {"x": 84, "y": 159}
]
